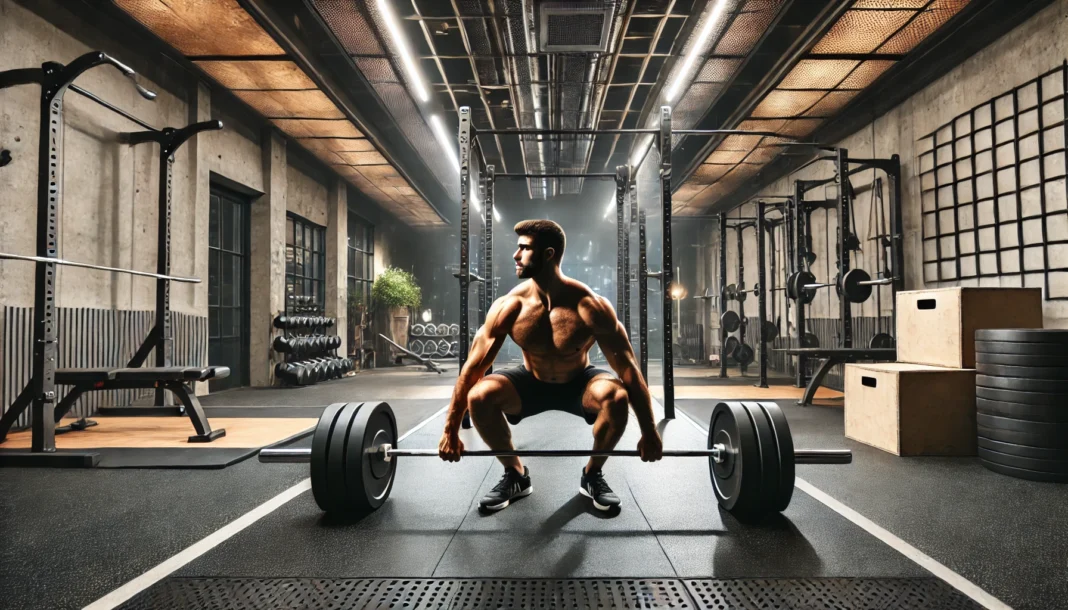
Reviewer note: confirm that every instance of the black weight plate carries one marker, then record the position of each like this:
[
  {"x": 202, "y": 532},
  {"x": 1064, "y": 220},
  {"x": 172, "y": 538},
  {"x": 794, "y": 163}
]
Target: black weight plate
[
  {"x": 1018, "y": 438},
  {"x": 369, "y": 478},
  {"x": 730, "y": 321},
  {"x": 1024, "y": 372},
  {"x": 771, "y": 331},
  {"x": 744, "y": 354},
  {"x": 729, "y": 346},
  {"x": 881, "y": 341},
  {"x": 339, "y": 497},
  {"x": 769, "y": 458},
  {"x": 1023, "y": 335},
  {"x": 1021, "y": 473},
  {"x": 1021, "y": 360},
  {"x": 320, "y": 456},
  {"x": 1045, "y": 386},
  {"x": 735, "y": 481},
  {"x": 1025, "y": 451},
  {"x": 791, "y": 286},
  {"x": 1015, "y": 437},
  {"x": 805, "y": 278},
  {"x": 1024, "y": 349},
  {"x": 852, "y": 288},
  {"x": 810, "y": 340},
  {"x": 1013, "y": 410},
  {"x": 1015, "y": 461},
  {"x": 1057, "y": 433},
  {"x": 784, "y": 444},
  {"x": 1027, "y": 398}
]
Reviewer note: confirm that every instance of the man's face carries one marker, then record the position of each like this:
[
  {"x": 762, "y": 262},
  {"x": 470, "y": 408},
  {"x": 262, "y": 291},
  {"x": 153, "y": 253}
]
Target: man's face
[{"x": 528, "y": 260}]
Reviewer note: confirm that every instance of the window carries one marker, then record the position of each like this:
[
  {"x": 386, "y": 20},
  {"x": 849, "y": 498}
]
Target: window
[
  {"x": 361, "y": 263},
  {"x": 305, "y": 259}
]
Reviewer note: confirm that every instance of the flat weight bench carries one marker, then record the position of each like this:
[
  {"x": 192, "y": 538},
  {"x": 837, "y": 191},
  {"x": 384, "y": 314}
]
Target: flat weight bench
[
  {"x": 172, "y": 378},
  {"x": 833, "y": 356}
]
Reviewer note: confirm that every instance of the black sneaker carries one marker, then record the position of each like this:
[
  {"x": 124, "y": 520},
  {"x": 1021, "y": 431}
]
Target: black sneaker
[
  {"x": 593, "y": 486},
  {"x": 511, "y": 486}
]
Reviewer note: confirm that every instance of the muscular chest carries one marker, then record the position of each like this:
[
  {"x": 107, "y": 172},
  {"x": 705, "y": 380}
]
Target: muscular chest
[{"x": 561, "y": 331}]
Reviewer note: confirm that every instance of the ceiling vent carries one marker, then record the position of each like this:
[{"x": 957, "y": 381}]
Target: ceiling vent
[{"x": 575, "y": 26}]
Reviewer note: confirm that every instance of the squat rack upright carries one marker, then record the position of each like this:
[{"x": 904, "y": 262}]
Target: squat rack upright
[{"x": 625, "y": 185}]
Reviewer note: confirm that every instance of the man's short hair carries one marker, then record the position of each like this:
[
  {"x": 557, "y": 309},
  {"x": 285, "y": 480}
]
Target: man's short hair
[{"x": 546, "y": 234}]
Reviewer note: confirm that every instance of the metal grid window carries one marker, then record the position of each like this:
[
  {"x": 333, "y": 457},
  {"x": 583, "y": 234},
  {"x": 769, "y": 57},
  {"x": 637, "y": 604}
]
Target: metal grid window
[
  {"x": 361, "y": 272},
  {"x": 305, "y": 259},
  {"x": 992, "y": 184}
]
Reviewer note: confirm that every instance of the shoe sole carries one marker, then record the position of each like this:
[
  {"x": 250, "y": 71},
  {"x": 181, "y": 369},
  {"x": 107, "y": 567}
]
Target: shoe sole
[
  {"x": 495, "y": 507},
  {"x": 601, "y": 507}
]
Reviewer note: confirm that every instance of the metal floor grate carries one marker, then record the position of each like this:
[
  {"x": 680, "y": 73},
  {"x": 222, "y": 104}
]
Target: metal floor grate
[
  {"x": 828, "y": 594},
  {"x": 416, "y": 594}
]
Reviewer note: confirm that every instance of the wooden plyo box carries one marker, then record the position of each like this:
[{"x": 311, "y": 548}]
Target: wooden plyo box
[
  {"x": 911, "y": 409},
  {"x": 937, "y": 327}
]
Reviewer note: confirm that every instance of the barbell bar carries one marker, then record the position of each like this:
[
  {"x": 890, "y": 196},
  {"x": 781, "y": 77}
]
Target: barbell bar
[
  {"x": 750, "y": 451},
  {"x": 302, "y": 455},
  {"x": 60, "y": 261},
  {"x": 855, "y": 286}
]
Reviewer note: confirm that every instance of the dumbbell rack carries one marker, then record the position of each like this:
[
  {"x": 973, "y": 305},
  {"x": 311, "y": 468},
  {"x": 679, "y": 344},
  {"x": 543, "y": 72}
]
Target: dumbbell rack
[
  {"x": 421, "y": 336},
  {"x": 310, "y": 353}
]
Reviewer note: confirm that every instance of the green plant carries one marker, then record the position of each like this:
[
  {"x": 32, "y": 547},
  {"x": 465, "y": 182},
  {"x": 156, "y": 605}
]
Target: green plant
[{"x": 396, "y": 288}]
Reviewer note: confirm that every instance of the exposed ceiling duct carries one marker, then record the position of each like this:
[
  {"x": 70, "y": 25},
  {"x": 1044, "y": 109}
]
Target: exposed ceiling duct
[{"x": 559, "y": 59}]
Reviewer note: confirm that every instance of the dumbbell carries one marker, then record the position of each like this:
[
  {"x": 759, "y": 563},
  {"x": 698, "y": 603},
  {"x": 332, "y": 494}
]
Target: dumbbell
[
  {"x": 281, "y": 344},
  {"x": 281, "y": 321}
]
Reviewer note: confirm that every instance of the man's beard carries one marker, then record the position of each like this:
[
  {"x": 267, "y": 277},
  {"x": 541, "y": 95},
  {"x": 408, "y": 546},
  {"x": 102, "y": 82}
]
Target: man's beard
[{"x": 528, "y": 271}]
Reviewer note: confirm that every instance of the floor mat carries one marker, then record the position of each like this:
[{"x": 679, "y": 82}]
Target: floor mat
[{"x": 162, "y": 442}]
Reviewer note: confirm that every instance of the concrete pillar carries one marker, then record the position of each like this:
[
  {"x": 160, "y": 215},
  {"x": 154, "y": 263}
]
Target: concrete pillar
[
  {"x": 267, "y": 260},
  {"x": 200, "y": 189},
  {"x": 337, "y": 259}
]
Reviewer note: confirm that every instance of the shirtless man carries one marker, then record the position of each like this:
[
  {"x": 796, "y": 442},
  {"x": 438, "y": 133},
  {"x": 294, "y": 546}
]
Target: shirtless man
[{"x": 555, "y": 320}]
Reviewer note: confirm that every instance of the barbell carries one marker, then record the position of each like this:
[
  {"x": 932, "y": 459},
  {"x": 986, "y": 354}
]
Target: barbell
[
  {"x": 855, "y": 286},
  {"x": 750, "y": 452}
]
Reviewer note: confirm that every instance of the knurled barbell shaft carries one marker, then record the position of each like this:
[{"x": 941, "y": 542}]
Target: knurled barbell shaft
[{"x": 801, "y": 456}]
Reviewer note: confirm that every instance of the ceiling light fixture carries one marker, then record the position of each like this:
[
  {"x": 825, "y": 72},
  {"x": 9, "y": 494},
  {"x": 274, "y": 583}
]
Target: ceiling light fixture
[
  {"x": 402, "y": 46},
  {"x": 611, "y": 208},
  {"x": 696, "y": 49},
  {"x": 446, "y": 141}
]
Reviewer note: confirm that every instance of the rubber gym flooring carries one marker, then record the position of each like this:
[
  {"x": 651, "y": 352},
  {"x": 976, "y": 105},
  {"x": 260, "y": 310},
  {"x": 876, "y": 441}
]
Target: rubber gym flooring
[{"x": 73, "y": 536}]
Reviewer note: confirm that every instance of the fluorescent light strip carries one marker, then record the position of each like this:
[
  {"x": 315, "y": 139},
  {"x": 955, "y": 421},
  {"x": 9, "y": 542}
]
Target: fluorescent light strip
[
  {"x": 439, "y": 130},
  {"x": 402, "y": 46},
  {"x": 496, "y": 215},
  {"x": 695, "y": 49}
]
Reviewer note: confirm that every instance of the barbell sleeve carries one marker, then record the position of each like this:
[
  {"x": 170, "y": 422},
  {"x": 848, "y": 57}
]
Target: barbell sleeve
[{"x": 879, "y": 282}]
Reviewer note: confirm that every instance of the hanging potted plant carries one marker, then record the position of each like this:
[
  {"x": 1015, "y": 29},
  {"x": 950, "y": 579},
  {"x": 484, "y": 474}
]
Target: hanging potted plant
[{"x": 396, "y": 291}]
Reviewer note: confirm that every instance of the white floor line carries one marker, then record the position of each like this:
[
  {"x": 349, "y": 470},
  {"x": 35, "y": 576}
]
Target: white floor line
[
  {"x": 955, "y": 580},
  {"x": 176, "y": 562}
]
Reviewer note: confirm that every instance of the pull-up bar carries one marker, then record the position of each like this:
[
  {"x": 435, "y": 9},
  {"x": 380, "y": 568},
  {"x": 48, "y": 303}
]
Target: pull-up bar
[{"x": 556, "y": 176}]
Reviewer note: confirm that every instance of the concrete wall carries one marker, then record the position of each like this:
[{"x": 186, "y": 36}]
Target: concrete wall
[
  {"x": 109, "y": 209},
  {"x": 1039, "y": 45}
]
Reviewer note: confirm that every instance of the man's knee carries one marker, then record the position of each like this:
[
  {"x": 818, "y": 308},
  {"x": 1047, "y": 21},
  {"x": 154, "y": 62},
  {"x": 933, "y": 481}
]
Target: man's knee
[
  {"x": 615, "y": 403},
  {"x": 483, "y": 399}
]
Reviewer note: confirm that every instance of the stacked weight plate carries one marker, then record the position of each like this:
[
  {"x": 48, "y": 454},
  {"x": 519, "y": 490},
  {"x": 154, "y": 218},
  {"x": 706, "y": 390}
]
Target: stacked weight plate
[{"x": 1022, "y": 402}]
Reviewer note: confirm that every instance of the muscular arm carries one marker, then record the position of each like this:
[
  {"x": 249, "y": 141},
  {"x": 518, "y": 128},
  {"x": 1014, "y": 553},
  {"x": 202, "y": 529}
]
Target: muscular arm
[
  {"x": 614, "y": 343},
  {"x": 487, "y": 343}
]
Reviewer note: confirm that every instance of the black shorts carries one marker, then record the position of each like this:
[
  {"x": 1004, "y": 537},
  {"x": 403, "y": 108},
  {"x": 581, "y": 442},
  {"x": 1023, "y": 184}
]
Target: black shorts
[{"x": 538, "y": 396}]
